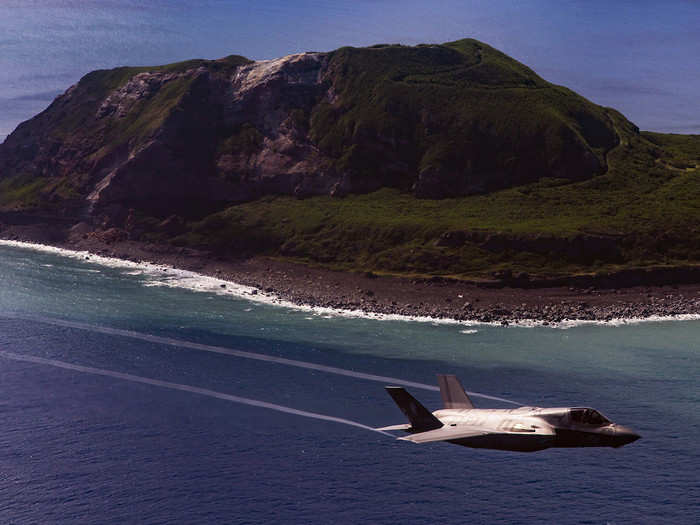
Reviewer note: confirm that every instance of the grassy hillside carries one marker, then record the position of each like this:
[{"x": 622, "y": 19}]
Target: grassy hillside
[
  {"x": 645, "y": 211},
  {"x": 464, "y": 116}
]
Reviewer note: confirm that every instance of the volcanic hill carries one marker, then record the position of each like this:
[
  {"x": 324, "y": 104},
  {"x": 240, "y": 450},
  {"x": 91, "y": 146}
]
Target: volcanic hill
[{"x": 449, "y": 159}]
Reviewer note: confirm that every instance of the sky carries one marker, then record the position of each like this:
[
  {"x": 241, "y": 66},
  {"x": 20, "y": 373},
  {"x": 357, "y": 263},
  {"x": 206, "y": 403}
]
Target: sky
[{"x": 639, "y": 57}]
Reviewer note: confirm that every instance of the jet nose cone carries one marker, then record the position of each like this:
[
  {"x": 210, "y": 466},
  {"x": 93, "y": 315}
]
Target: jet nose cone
[{"x": 625, "y": 436}]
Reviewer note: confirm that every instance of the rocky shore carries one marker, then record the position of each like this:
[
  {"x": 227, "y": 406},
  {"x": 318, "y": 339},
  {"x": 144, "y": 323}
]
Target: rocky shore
[{"x": 434, "y": 297}]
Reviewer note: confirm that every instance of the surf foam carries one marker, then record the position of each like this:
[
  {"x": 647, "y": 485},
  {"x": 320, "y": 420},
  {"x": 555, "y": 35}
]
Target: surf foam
[{"x": 168, "y": 276}]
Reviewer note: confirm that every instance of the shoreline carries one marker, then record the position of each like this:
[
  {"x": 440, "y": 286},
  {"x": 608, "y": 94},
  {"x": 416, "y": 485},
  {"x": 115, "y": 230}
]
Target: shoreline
[{"x": 333, "y": 292}]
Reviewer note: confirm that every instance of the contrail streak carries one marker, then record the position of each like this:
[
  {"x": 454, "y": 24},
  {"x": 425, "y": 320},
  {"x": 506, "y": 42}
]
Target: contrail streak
[
  {"x": 184, "y": 388},
  {"x": 246, "y": 355}
]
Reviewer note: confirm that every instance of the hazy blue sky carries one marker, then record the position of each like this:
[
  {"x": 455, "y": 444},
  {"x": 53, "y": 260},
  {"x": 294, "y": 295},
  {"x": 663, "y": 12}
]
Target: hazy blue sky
[{"x": 640, "y": 57}]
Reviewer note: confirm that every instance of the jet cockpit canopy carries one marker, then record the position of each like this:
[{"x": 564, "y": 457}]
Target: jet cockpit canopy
[{"x": 588, "y": 416}]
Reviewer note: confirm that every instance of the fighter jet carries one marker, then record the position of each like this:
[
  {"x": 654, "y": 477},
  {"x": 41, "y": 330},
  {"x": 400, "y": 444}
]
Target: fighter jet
[{"x": 523, "y": 429}]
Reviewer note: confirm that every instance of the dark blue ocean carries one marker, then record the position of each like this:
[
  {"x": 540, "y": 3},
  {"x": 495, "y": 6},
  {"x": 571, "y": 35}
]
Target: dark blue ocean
[{"x": 126, "y": 395}]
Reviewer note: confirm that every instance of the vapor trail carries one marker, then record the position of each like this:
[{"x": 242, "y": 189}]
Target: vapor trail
[
  {"x": 184, "y": 388},
  {"x": 246, "y": 355}
]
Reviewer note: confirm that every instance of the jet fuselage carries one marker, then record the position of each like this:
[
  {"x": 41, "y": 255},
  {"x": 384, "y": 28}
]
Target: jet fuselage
[{"x": 531, "y": 428}]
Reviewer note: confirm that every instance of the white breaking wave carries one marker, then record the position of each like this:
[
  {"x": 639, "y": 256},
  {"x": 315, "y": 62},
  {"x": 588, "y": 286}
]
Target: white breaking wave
[
  {"x": 614, "y": 322},
  {"x": 241, "y": 353},
  {"x": 164, "y": 275},
  {"x": 184, "y": 388}
]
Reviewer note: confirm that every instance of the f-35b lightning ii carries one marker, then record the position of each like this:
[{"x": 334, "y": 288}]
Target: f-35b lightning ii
[{"x": 523, "y": 429}]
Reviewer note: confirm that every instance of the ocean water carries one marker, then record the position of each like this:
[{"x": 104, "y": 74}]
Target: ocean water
[
  {"x": 129, "y": 394},
  {"x": 639, "y": 57}
]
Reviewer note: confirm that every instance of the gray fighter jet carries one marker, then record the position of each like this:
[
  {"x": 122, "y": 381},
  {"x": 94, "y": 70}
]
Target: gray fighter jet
[{"x": 524, "y": 429}]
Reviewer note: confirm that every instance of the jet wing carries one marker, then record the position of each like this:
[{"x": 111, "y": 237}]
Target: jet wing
[{"x": 445, "y": 434}]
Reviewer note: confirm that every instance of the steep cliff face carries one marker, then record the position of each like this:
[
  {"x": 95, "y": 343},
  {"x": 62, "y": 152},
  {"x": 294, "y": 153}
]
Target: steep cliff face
[
  {"x": 265, "y": 146},
  {"x": 194, "y": 137}
]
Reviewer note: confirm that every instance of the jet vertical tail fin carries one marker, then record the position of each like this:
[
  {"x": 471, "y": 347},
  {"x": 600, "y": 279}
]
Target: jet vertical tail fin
[
  {"x": 452, "y": 392},
  {"x": 421, "y": 419}
]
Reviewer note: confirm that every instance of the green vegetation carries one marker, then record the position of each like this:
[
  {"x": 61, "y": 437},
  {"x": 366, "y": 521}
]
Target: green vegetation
[
  {"x": 678, "y": 151},
  {"x": 245, "y": 138},
  {"x": 651, "y": 211},
  {"x": 459, "y": 110},
  {"x": 96, "y": 85},
  {"x": 28, "y": 192},
  {"x": 149, "y": 115},
  {"x": 22, "y": 191}
]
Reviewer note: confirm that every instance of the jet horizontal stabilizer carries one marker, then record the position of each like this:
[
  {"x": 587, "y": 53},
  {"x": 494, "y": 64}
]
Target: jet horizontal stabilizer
[{"x": 401, "y": 426}]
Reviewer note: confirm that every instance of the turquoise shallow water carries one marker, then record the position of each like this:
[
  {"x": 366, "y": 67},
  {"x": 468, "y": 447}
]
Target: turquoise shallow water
[{"x": 109, "y": 410}]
